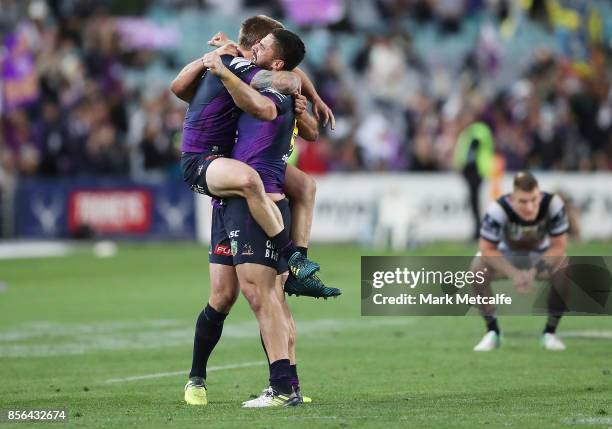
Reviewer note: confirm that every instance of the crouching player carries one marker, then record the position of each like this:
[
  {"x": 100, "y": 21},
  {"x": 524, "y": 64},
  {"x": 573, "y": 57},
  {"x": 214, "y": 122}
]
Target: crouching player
[{"x": 523, "y": 237}]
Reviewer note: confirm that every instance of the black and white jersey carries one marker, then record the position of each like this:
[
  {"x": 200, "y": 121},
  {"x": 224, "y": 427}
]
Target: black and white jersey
[{"x": 503, "y": 226}]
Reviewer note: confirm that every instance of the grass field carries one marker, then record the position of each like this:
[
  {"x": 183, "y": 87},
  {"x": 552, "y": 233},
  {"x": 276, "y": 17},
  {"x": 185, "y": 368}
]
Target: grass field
[{"x": 73, "y": 330}]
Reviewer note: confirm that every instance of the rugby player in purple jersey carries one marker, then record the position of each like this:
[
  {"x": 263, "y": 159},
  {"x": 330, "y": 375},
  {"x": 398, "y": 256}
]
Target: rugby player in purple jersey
[
  {"x": 209, "y": 133},
  {"x": 224, "y": 285},
  {"x": 265, "y": 145}
]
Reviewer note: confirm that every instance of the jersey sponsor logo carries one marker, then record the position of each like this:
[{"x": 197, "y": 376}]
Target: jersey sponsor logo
[
  {"x": 223, "y": 250},
  {"x": 234, "y": 249},
  {"x": 271, "y": 252},
  {"x": 247, "y": 250},
  {"x": 110, "y": 211},
  {"x": 240, "y": 62},
  {"x": 517, "y": 232},
  {"x": 272, "y": 91}
]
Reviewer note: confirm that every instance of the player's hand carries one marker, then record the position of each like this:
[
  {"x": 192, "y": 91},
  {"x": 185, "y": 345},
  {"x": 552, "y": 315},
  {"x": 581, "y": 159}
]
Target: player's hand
[
  {"x": 213, "y": 62},
  {"x": 300, "y": 104},
  {"x": 517, "y": 279},
  {"x": 523, "y": 281},
  {"x": 530, "y": 276},
  {"x": 219, "y": 39},
  {"x": 229, "y": 49},
  {"x": 323, "y": 113}
]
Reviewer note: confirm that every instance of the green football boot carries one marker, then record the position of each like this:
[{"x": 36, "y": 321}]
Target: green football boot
[
  {"x": 312, "y": 286},
  {"x": 302, "y": 267}
]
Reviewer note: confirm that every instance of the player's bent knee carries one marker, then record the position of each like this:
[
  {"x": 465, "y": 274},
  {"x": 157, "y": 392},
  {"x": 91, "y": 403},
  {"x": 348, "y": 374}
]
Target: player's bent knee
[
  {"x": 478, "y": 264},
  {"x": 223, "y": 300},
  {"x": 310, "y": 188},
  {"x": 250, "y": 183},
  {"x": 252, "y": 295},
  {"x": 303, "y": 189}
]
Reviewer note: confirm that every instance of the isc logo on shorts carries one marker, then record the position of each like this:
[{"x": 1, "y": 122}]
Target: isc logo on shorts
[
  {"x": 223, "y": 250},
  {"x": 270, "y": 252},
  {"x": 234, "y": 233}
]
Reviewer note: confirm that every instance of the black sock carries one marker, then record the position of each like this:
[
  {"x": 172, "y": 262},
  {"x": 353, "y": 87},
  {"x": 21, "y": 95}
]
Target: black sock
[
  {"x": 551, "y": 323},
  {"x": 283, "y": 243},
  {"x": 264, "y": 347},
  {"x": 280, "y": 376},
  {"x": 207, "y": 333},
  {"x": 492, "y": 324},
  {"x": 303, "y": 251},
  {"x": 295, "y": 381}
]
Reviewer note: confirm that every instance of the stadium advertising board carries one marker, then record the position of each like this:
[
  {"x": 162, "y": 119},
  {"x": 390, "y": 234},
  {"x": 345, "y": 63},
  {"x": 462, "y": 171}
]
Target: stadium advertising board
[
  {"x": 409, "y": 209},
  {"x": 113, "y": 208},
  {"x": 110, "y": 211}
]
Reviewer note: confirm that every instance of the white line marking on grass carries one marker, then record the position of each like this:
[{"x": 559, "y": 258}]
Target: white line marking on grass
[
  {"x": 184, "y": 372},
  {"x": 34, "y": 249},
  {"x": 595, "y": 335},
  {"x": 44, "y": 339},
  {"x": 588, "y": 421}
]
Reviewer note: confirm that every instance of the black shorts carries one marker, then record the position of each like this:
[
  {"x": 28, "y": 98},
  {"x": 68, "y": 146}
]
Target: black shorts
[
  {"x": 220, "y": 251},
  {"x": 194, "y": 166},
  {"x": 234, "y": 227}
]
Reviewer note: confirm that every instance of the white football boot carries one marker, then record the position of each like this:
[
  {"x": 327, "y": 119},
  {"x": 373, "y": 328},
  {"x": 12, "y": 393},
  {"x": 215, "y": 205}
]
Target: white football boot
[
  {"x": 270, "y": 398},
  {"x": 552, "y": 342},
  {"x": 490, "y": 341}
]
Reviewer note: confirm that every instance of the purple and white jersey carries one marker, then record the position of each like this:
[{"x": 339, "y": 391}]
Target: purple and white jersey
[
  {"x": 266, "y": 145},
  {"x": 212, "y": 116}
]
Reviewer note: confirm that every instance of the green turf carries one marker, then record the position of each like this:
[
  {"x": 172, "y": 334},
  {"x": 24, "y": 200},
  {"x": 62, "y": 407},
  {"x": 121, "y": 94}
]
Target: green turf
[{"x": 67, "y": 325}]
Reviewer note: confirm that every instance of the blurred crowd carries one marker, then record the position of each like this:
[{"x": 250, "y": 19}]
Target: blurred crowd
[{"x": 67, "y": 111}]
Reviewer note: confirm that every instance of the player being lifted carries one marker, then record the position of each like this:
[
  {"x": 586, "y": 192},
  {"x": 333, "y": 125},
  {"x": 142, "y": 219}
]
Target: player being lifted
[
  {"x": 208, "y": 136},
  {"x": 523, "y": 237}
]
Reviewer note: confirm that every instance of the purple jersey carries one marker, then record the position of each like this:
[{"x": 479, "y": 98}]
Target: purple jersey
[
  {"x": 212, "y": 116},
  {"x": 266, "y": 145}
]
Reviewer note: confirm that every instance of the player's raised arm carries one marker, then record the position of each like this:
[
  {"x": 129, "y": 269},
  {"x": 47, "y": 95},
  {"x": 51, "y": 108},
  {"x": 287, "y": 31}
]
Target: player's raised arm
[
  {"x": 245, "y": 97},
  {"x": 308, "y": 127},
  {"x": 186, "y": 82},
  {"x": 220, "y": 39},
  {"x": 321, "y": 111}
]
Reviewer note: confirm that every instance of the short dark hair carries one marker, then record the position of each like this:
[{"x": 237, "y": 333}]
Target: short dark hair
[
  {"x": 288, "y": 47},
  {"x": 525, "y": 181},
  {"x": 255, "y": 28}
]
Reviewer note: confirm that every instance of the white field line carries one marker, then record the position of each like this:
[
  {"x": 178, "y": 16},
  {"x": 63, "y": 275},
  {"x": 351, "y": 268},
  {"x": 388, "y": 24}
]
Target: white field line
[
  {"x": 34, "y": 249},
  {"x": 588, "y": 421},
  {"x": 591, "y": 334},
  {"x": 184, "y": 372},
  {"x": 44, "y": 339}
]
